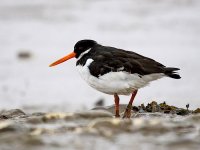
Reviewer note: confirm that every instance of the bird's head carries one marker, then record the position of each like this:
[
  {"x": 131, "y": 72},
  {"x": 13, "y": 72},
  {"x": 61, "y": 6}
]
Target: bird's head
[{"x": 79, "y": 49}]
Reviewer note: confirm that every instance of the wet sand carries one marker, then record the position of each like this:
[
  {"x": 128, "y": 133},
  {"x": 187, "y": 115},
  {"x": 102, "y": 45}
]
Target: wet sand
[
  {"x": 99, "y": 129},
  {"x": 36, "y": 33}
]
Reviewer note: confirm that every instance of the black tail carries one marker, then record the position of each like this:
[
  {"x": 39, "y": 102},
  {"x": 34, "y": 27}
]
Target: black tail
[{"x": 171, "y": 72}]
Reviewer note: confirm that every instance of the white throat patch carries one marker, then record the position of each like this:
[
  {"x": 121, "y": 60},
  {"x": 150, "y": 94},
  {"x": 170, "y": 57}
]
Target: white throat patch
[{"x": 81, "y": 55}]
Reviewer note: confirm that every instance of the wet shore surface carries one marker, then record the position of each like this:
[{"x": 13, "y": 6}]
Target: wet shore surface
[
  {"x": 35, "y": 33},
  {"x": 155, "y": 126}
]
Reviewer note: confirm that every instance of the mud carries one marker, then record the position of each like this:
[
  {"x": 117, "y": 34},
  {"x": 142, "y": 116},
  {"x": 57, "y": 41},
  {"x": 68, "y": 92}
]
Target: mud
[{"x": 153, "y": 126}]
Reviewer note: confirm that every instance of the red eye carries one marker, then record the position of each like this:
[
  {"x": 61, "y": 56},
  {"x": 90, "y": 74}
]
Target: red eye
[{"x": 80, "y": 48}]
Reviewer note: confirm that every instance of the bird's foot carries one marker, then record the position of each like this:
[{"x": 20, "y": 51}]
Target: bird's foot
[
  {"x": 127, "y": 113},
  {"x": 117, "y": 116}
]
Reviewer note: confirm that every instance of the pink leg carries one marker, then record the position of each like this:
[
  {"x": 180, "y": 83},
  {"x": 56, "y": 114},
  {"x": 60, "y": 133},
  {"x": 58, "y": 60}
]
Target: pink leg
[
  {"x": 116, "y": 106},
  {"x": 127, "y": 113}
]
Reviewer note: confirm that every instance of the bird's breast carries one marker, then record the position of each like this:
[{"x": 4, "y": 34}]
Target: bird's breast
[{"x": 121, "y": 82}]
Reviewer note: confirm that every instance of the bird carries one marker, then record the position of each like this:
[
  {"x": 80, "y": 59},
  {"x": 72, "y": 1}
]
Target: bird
[{"x": 115, "y": 71}]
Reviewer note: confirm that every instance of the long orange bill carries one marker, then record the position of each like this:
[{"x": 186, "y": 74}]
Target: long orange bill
[{"x": 69, "y": 56}]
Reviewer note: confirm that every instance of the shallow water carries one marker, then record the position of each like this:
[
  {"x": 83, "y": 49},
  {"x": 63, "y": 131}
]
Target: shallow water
[
  {"x": 167, "y": 31},
  {"x": 98, "y": 129}
]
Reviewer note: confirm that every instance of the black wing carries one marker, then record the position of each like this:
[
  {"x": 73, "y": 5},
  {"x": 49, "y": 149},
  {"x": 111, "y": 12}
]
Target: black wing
[{"x": 109, "y": 59}]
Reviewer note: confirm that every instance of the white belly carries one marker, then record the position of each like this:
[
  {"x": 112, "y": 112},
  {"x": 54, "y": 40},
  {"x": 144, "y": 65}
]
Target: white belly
[{"x": 122, "y": 83}]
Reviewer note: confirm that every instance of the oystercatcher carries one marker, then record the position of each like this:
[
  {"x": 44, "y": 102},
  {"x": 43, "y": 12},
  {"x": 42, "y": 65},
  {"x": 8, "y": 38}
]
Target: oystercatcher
[{"x": 116, "y": 71}]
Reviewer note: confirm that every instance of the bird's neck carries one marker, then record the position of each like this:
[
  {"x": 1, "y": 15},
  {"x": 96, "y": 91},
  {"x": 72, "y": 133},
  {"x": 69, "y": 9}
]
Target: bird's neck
[{"x": 81, "y": 60}]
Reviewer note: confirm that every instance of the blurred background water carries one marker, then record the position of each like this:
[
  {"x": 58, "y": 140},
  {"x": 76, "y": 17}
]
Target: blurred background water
[{"x": 33, "y": 34}]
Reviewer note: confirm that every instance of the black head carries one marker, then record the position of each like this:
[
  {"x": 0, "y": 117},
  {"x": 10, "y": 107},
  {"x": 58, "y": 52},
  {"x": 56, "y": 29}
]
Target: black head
[
  {"x": 82, "y": 46},
  {"x": 79, "y": 48}
]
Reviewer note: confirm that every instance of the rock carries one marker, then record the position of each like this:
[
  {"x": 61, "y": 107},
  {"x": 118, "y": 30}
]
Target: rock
[
  {"x": 148, "y": 108},
  {"x": 167, "y": 109},
  {"x": 153, "y": 107},
  {"x": 24, "y": 54},
  {"x": 11, "y": 114},
  {"x": 197, "y": 111},
  {"x": 182, "y": 112},
  {"x": 141, "y": 108},
  {"x": 135, "y": 109},
  {"x": 100, "y": 102}
]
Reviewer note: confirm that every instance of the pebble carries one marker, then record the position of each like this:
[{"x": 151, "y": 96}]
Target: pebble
[
  {"x": 197, "y": 111},
  {"x": 7, "y": 114},
  {"x": 24, "y": 54},
  {"x": 99, "y": 124}
]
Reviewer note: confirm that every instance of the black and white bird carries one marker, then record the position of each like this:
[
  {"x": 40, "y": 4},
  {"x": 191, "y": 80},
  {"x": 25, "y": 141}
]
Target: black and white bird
[{"x": 116, "y": 71}]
